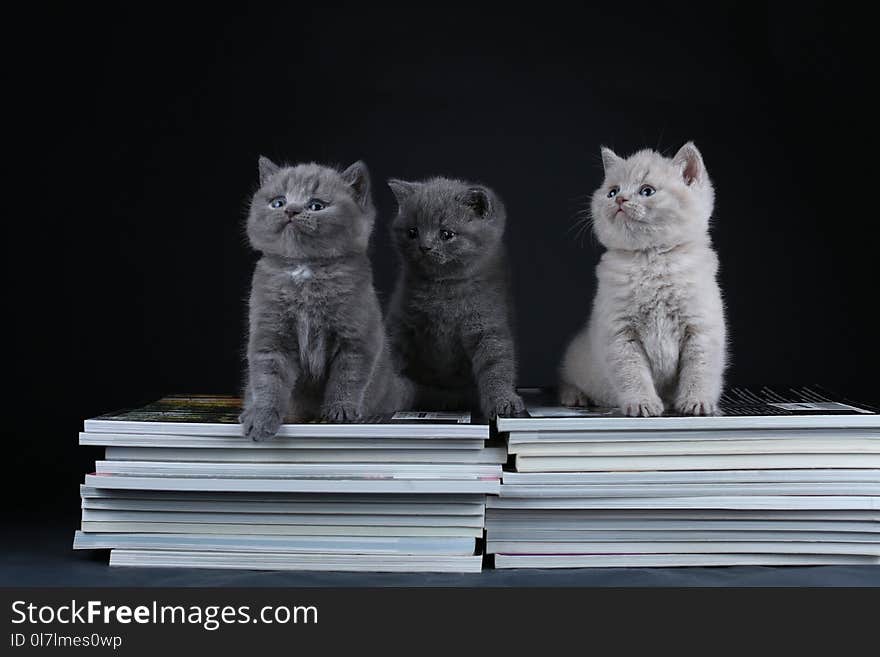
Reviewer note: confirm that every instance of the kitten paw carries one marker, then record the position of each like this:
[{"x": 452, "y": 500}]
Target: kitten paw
[
  {"x": 504, "y": 406},
  {"x": 340, "y": 413},
  {"x": 259, "y": 424},
  {"x": 642, "y": 407},
  {"x": 569, "y": 395},
  {"x": 696, "y": 406}
]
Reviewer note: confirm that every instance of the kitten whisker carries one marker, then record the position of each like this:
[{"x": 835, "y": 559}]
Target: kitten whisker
[{"x": 582, "y": 226}]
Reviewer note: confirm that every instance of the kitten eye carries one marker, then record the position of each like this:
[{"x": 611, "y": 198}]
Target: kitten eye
[
  {"x": 277, "y": 202},
  {"x": 647, "y": 190},
  {"x": 413, "y": 233},
  {"x": 613, "y": 191},
  {"x": 315, "y": 205},
  {"x": 446, "y": 235}
]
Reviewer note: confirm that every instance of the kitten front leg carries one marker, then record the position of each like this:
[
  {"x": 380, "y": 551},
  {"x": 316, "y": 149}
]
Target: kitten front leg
[
  {"x": 271, "y": 376},
  {"x": 630, "y": 374},
  {"x": 492, "y": 359},
  {"x": 700, "y": 373},
  {"x": 347, "y": 381},
  {"x": 571, "y": 395},
  {"x": 580, "y": 371}
]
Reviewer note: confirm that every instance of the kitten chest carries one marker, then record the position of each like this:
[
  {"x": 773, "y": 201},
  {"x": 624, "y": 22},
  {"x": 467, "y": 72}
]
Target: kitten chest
[
  {"x": 305, "y": 302},
  {"x": 434, "y": 326},
  {"x": 656, "y": 309}
]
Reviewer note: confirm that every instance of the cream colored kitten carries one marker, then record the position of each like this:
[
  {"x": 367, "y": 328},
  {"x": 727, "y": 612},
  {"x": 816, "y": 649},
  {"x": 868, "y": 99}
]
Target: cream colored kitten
[{"x": 656, "y": 337}]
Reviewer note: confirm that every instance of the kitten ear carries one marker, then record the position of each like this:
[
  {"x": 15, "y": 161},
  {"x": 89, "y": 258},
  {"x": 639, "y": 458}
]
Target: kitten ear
[
  {"x": 690, "y": 163},
  {"x": 478, "y": 200},
  {"x": 402, "y": 189},
  {"x": 358, "y": 178},
  {"x": 609, "y": 158},
  {"x": 267, "y": 168}
]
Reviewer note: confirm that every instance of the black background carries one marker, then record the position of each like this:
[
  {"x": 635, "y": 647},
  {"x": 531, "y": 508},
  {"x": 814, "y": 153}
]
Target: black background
[{"x": 126, "y": 264}]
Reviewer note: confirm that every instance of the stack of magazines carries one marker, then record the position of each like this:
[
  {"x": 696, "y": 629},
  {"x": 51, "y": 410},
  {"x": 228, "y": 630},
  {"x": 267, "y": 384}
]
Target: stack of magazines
[
  {"x": 180, "y": 486},
  {"x": 787, "y": 476}
]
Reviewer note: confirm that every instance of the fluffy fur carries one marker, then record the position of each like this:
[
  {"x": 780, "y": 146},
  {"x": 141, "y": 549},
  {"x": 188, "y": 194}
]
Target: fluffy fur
[
  {"x": 656, "y": 337},
  {"x": 449, "y": 318},
  {"x": 316, "y": 344}
]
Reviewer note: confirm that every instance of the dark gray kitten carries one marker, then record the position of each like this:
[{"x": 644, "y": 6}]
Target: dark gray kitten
[
  {"x": 317, "y": 345},
  {"x": 449, "y": 318}
]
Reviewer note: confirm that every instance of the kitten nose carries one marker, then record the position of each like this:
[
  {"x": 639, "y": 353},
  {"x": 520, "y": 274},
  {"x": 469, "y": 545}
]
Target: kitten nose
[
  {"x": 291, "y": 211},
  {"x": 424, "y": 248},
  {"x": 620, "y": 199}
]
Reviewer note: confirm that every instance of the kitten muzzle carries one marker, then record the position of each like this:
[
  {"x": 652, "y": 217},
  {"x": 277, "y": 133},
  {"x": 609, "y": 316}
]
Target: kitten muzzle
[
  {"x": 299, "y": 223},
  {"x": 630, "y": 211}
]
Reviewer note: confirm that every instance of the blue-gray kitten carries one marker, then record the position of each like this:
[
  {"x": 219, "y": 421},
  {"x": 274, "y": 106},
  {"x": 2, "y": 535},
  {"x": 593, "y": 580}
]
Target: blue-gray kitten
[
  {"x": 317, "y": 345},
  {"x": 449, "y": 318}
]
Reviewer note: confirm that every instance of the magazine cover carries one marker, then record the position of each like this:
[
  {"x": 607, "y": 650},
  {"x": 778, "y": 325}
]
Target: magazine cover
[
  {"x": 736, "y": 401},
  {"x": 225, "y": 409}
]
